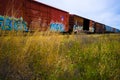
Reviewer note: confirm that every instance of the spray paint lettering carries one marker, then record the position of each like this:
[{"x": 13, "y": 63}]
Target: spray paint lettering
[
  {"x": 10, "y": 23},
  {"x": 57, "y": 27}
]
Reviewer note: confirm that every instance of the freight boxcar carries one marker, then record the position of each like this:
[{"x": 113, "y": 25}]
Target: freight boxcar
[
  {"x": 76, "y": 23},
  {"x": 109, "y": 29},
  {"x": 117, "y": 31},
  {"x": 99, "y": 28},
  {"x": 79, "y": 24},
  {"x": 42, "y": 17},
  {"x": 39, "y": 16}
]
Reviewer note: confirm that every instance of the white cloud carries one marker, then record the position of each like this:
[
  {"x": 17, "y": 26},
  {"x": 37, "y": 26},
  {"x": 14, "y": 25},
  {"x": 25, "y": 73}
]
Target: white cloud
[{"x": 104, "y": 11}]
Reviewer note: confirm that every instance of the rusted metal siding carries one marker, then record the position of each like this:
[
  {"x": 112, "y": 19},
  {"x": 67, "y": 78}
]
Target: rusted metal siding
[
  {"x": 75, "y": 20},
  {"x": 13, "y": 8},
  {"x": 99, "y": 28},
  {"x": 76, "y": 23},
  {"x": 78, "y": 20},
  {"x": 91, "y": 26},
  {"x": 2, "y": 8},
  {"x": 60, "y": 18},
  {"x": 92, "y": 23},
  {"x": 37, "y": 15},
  {"x": 40, "y": 16}
]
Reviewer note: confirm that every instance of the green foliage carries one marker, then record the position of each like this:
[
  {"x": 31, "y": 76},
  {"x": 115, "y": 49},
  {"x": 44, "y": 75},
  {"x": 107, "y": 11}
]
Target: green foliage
[{"x": 48, "y": 56}]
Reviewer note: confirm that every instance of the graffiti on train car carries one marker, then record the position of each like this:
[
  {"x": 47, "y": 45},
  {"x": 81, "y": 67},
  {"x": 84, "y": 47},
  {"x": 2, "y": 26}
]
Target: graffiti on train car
[
  {"x": 77, "y": 28},
  {"x": 55, "y": 26},
  {"x": 10, "y": 23}
]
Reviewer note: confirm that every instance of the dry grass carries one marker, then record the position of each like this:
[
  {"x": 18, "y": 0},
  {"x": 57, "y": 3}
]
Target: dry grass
[{"x": 51, "y": 56}]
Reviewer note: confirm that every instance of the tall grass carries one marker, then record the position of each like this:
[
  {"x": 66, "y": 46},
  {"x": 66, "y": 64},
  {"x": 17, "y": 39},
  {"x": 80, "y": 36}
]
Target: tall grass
[{"x": 49, "y": 56}]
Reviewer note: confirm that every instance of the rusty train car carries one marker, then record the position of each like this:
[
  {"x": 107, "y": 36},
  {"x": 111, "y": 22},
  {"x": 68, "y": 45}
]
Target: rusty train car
[
  {"x": 79, "y": 24},
  {"x": 39, "y": 16},
  {"x": 43, "y": 17}
]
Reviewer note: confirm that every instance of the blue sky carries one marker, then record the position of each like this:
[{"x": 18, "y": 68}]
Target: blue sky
[{"x": 103, "y": 11}]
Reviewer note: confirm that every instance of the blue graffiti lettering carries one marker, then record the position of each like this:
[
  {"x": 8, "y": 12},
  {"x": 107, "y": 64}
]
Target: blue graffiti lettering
[
  {"x": 9, "y": 23},
  {"x": 1, "y": 22},
  {"x": 57, "y": 27}
]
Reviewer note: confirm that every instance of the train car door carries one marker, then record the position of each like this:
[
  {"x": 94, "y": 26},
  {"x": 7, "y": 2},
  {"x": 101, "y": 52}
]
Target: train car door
[{"x": 86, "y": 24}]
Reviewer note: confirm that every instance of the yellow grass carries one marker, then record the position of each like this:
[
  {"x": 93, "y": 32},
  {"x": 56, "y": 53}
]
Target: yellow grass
[{"x": 52, "y": 56}]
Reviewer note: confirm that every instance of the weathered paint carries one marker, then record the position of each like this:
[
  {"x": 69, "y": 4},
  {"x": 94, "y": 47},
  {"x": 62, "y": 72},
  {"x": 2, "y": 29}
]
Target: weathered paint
[
  {"x": 41, "y": 16},
  {"x": 10, "y": 23},
  {"x": 99, "y": 28},
  {"x": 76, "y": 23},
  {"x": 91, "y": 26},
  {"x": 77, "y": 28}
]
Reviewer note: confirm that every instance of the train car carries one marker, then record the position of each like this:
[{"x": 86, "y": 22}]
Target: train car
[
  {"x": 117, "y": 31},
  {"x": 11, "y": 14},
  {"x": 76, "y": 23},
  {"x": 79, "y": 24},
  {"x": 99, "y": 28},
  {"x": 39, "y": 16},
  {"x": 109, "y": 29}
]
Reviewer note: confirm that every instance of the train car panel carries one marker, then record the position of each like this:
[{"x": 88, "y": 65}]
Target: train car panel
[
  {"x": 35, "y": 5},
  {"x": 59, "y": 20},
  {"x": 117, "y": 31},
  {"x": 99, "y": 28},
  {"x": 76, "y": 23},
  {"x": 38, "y": 16},
  {"x": 2, "y": 7},
  {"x": 12, "y": 8},
  {"x": 91, "y": 26},
  {"x": 108, "y": 29}
]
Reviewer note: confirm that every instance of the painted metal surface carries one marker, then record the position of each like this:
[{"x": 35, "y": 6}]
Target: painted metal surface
[
  {"x": 76, "y": 23},
  {"x": 10, "y": 23},
  {"x": 37, "y": 15},
  {"x": 108, "y": 29},
  {"x": 117, "y": 30},
  {"x": 12, "y": 8},
  {"x": 57, "y": 27},
  {"x": 43, "y": 17},
  {"x": 99, "y": 28},
  {"x": 91, "y": 26},
  {"x": 60, "y": 18}
]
